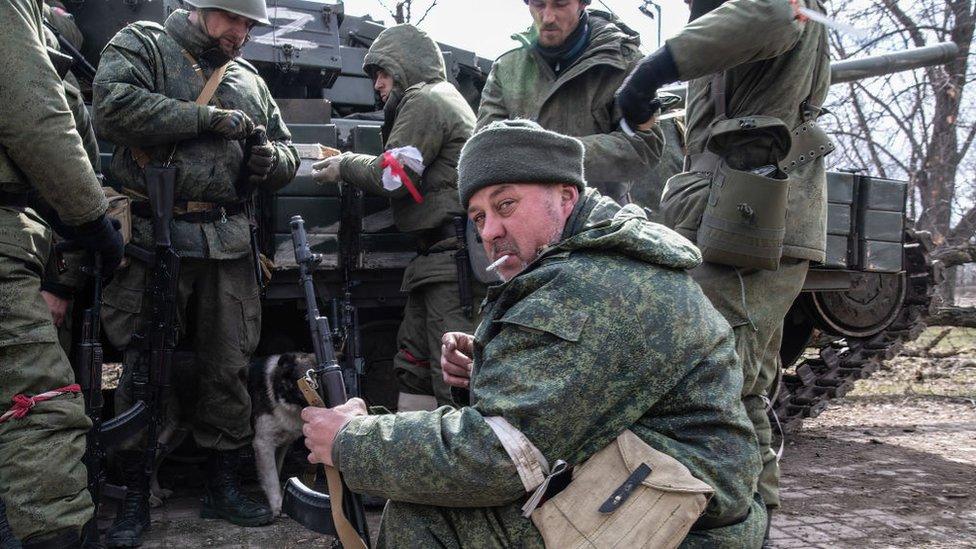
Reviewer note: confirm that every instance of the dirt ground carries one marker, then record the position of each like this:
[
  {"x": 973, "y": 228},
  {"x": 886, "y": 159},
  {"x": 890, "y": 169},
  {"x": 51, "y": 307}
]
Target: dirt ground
[{"x": 891, "y": 465}]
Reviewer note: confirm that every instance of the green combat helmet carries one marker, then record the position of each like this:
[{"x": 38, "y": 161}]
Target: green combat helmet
[{"x": 252, "y": 9}]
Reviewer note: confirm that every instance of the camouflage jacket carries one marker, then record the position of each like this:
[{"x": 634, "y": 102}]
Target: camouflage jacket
[
  {"x": 604, "y": 332},
  {"x": 39, "y": 146},
  {"x": 430, "y": 115},
  {"x": 579, "y": 102},
  {"x": 770, "y": 60},
  {"x": 144, "y": 95}
]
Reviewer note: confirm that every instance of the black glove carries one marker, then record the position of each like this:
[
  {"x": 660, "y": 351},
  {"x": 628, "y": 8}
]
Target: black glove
[
  {"x": 637, "y": 97},
  {"x": 101, "y": 235},
  {"x": 232, "y": 125},
  {"x": 261, "y": 162}
]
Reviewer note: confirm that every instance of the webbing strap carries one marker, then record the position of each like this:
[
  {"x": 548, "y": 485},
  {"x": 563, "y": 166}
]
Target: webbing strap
[{"x": 206, "y": 94}]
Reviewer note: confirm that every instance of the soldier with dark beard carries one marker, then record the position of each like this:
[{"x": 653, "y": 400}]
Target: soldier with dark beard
[{"x": 149, "y": 100}]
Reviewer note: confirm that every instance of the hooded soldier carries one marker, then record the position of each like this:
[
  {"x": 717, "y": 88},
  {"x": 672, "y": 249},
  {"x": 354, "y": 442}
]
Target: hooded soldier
[
  {"x": 150, "y": 100},
  {"x": 426, "y": 122}
]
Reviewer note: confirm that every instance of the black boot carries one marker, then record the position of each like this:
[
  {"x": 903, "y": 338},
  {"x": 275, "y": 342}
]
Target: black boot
[
  {"x": 7, "y": 538},
  {"x": 224, "y": 498},
  {"x": 65, "y": 539},
  {"x": 132, "y": 518}
]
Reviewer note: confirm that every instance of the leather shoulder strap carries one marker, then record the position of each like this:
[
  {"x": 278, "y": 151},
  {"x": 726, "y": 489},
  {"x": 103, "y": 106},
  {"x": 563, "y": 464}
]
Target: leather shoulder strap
[{"x": 141, "y": 157}]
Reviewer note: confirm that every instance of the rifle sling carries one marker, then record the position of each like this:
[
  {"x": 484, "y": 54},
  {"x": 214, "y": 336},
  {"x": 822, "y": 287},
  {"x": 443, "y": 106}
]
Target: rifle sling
[
  {"x": 347, "y": 533},
  {"x": 141, "y": 157}
]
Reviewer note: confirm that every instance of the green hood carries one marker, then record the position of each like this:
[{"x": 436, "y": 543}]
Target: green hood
[
  {"x": 408, "y": 54},
  {"x": 599, "y": 223},
  {"x": 606, "y": 30}
]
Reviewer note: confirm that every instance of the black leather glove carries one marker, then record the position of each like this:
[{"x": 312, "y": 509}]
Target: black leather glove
[
  {"x": 261, "y": 162},
  {"x": 101, "y": 235},
  {"x": 637, "y": 96},
  {"x": 232, "y": 125}
]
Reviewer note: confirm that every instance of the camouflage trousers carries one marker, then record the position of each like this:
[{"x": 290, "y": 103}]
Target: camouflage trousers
[
  {"x": 432, "y": 309},
  {"x": 219, "y": 300},
  {"x": 754, "y": 302},
  {"x": 409, "y": 525},
  {"x": 42, "y": 478}
]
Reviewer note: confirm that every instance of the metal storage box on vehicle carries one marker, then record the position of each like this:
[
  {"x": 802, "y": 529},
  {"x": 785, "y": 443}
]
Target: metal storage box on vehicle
[{"x": 301, "y": 45}]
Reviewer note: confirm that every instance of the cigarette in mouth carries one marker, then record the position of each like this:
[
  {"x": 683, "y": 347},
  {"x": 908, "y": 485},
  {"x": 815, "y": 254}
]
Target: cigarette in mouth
[{"x": 498, "y": 263}]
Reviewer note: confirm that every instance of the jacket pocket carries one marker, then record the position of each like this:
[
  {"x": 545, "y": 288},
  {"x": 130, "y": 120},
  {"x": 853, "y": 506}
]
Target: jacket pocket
[
  {"x": 627, "y": 495},
  {"x": 536, "y": 315}
]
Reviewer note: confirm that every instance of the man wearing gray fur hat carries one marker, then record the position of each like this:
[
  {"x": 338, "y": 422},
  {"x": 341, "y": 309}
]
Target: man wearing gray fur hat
[{"x": 605, "y": 405}]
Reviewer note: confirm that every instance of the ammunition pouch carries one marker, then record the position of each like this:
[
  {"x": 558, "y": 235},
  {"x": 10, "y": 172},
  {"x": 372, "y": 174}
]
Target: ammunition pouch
[
  {"x": 627, "y": 495},
  {"x": 120, "y": 209},
  {"x": 736, "y": 216},
  {"x": 810, "y": 142}
]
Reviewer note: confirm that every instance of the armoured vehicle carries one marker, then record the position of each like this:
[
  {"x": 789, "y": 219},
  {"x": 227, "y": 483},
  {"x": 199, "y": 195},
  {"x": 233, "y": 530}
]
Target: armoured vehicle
[{"x": 870, "y": 296}]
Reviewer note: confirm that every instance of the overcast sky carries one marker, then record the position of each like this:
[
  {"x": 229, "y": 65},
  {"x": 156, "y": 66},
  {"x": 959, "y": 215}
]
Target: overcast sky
[{"x": 486, "y": 26}]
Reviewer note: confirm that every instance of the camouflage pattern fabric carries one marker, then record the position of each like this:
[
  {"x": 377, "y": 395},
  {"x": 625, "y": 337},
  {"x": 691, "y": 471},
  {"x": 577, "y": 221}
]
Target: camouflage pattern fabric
[
  {"x": 42, "y": 478},
  {"x": 220, "y": 300},
  {"x": 143, "y": 96},
  {"x": 769, "y": 70},
  {"x": 433, "y": 117},
  {"x": 139, "y": 104},
  {"x": 571, "y": 353},
  {"x": 38, "y": 127},
  {"x": 579, "y": 102},
  {"x": 754, "y": 302}
]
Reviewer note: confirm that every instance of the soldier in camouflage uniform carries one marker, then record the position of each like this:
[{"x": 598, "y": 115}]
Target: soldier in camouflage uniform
[
  {"x": 424, "y": 111},
  {"x": 597, "y": 329},
  {"x": 563, "y": 76},
  {"x": 144, "y": 96},
  {"x": 62, "y": 281},
  {"x": 42, "y": 478},
  {"x": 776, "y": 65}
]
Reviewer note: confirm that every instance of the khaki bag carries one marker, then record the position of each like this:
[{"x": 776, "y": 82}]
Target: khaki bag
[
  {"x": 627, "y": 495},
  {"x": 120, "y": 208}
]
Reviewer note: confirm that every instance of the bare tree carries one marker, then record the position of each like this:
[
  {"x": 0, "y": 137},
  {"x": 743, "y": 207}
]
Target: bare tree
[
  {"x": 402, "y": 11},
  {"x": 917, "y": 126}
]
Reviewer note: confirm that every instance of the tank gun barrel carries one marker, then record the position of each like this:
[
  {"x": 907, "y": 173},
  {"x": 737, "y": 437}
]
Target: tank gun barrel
[{"x": 850, "y": 70}]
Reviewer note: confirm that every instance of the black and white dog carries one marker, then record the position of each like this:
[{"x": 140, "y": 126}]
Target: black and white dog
[{"x": 276, "y": 408}]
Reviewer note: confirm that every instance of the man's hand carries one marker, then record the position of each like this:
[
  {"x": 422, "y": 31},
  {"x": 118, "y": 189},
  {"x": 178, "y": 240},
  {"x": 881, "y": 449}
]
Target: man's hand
[
  {"x": 58, "y": 306},
  {"x": 323, "y": 424},
  {"x": 637, "y": 96},
  {"x": 261, "y": 162},
  {"x": 457, "y": 348},
  {"x": 102, "y": 235},
  {"x": 327, "y": 171},
  {"x": 232, "y": 125}
]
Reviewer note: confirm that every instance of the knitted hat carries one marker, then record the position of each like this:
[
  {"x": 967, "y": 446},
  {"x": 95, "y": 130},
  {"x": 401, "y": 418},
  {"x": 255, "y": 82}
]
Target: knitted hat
[{"x": 518, "y": 151}]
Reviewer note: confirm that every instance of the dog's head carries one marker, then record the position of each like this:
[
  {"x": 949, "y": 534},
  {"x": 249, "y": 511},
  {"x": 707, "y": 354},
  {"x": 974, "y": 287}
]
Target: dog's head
[{"x": 290, "y": 367}]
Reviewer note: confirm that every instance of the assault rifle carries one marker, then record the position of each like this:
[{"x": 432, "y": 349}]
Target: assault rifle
[
  {"x": 81, "y": 67},
  {"x": 350, "y": 228},
  {"x": 156, "y": 341},
  {"x": 340, "y": 513},
  {"x": 245, "y": 191},
  {"x": 88, "y": 365}
]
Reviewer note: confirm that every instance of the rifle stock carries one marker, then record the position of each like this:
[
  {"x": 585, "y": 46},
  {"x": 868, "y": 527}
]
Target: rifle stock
[{"x": 347, "y": 519}]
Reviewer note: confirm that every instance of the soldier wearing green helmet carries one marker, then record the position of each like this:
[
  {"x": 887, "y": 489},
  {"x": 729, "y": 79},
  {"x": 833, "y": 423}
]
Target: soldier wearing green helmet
[{"x": 150, "y": 100}]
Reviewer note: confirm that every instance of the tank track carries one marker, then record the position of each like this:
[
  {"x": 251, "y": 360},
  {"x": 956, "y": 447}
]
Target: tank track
[{"x": 806, "y": 391}]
